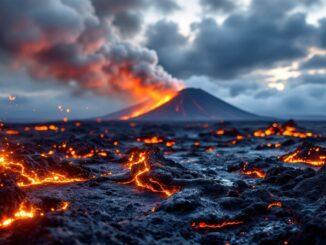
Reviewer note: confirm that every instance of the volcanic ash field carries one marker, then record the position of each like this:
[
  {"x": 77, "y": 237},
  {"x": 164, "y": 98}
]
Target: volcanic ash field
[{"x": 128, "y": 183}]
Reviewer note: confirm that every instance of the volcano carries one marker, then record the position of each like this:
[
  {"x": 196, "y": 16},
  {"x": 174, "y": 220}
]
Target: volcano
[{"x": 190, "y": 104}]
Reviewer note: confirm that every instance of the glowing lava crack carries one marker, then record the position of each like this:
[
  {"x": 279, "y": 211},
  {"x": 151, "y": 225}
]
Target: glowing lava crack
[
  {"x": 30, "y": 178},
  {"x": 308, "y": 154},
  {"x": 215, "y": 226},
  {"x": 26, "y": 211},
  {"x": 140, "y": 167}
]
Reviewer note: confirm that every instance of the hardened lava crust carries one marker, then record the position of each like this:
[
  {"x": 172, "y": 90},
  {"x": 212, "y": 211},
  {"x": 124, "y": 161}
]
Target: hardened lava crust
[{"x": 182, "y": 183}]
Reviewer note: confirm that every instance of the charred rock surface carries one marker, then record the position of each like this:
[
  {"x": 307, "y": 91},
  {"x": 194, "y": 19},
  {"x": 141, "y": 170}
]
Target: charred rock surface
[{"x": 121, "y": 183}]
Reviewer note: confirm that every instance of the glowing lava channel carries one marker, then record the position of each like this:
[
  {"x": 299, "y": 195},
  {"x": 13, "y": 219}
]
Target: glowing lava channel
[
  {"x": 206, "y": 226},
  {"x": 254, "y": 172},
  {"x": 313, "y": 157},
  {"x": 140, "y": 162},
  {"x": 30, "y": 178},
  {"x": 28, "y": 212},
  {"x": 284, "y": 130}
]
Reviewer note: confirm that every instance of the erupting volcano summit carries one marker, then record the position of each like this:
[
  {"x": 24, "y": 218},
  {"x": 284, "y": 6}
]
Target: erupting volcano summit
[{"x": 190, "y": 104}]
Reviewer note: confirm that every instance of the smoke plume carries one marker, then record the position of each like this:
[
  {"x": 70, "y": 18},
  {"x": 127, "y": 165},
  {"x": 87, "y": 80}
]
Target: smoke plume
[{"x": 77, "y": 43}]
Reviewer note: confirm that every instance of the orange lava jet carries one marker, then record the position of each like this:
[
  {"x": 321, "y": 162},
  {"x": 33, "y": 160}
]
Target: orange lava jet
[
  {"x": 253, "y": 172},
  {"x": 288, "y": 129},
  {"x": 156, "y": 95},
  {"x": 206, "y": 226},
  {"x": 307, "y": 154},
  {"x": 31, "y": 178},
  {"x": 139, "y": 165}
]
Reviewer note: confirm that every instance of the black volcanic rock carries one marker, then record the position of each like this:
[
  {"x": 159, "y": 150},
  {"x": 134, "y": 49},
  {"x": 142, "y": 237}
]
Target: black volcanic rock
[{"x": 191, "y": 105}]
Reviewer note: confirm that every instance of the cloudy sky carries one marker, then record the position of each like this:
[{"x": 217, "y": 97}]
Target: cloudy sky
[{"x": 81, "y": 56}]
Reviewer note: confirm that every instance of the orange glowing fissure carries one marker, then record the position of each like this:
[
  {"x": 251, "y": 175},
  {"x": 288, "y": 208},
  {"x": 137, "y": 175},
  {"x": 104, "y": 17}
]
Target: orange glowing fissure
[
  {"x": 289, "y": 131},
  {"x": 294, "y": 157},
  {"x": 204, "y": 225},
  {"x": 28, "y": 212},
  {"x": 142, "y": 161},
  {"x": 275, "y": 204},
  {"x": 31, "y": 178},
  {"x": 254, "y": 172}
]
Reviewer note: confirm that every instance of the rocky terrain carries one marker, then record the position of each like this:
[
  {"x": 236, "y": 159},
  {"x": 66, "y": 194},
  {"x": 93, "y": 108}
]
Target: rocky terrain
[{"x": 186, "y": 183}]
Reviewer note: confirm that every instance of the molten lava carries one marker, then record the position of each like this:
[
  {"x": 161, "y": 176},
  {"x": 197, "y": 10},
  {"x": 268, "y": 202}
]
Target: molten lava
[
  {"x": 253, "y": 172},
  {"x": 26, "y": 177},
  {"x": 156, "y": 95},
  {"x": 149, "y": 106},
  {"x": 308, "y": 154},
  {"x": 28, "y": 211},
  {"x": 206, "y": 226},
  {"x": 139, "y": 165},
  {"x": 153, "y": 140},
  {"x": 23, "y": 212},
  {"x": 275, "y": 204},
  {"x": 288, "y": 129}
]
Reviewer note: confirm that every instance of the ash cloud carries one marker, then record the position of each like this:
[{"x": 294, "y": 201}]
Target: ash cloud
[{"x": 78, "y": 44}]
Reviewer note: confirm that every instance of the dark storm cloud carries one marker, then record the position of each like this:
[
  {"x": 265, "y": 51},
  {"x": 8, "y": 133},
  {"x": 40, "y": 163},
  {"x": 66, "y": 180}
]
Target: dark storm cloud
[
  {"x": 322, "y": 33},
  {"x": 278, "y": 8},
  {"x": 313, "y": 79},
  {"x": 166, "y": 6},
  {"x": 241, "y": 44},
  {"x": 218, "y": 5},
  {"x": 316, "y": 62}
]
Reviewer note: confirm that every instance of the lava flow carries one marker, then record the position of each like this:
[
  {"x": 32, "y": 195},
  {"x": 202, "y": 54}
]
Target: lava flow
[
  {"x": 152, "y": 140},
  {"x": 23, "y": 212},
  {"x": 28, "y": 211},
  {"x": 139, "y": 165},
  {"x": 157, "y": 96},
  {"x": 308, "y": 154},
  {"x": 275, "y": 204},
  {"x": 287, "y": 129},
  {"x": 206, "y": 226},
  {"x": 253, "y": 172},
  {"x": 31, "y": 178}
]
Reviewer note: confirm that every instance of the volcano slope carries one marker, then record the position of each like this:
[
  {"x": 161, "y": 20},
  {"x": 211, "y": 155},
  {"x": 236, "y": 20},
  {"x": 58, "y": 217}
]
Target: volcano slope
[
  {"x": 190, "y": 104},
  {"x": 132, "y": 183}
]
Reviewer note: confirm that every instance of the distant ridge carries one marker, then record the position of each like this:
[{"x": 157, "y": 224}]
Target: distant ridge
[{"x": 190, "y": 104}]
